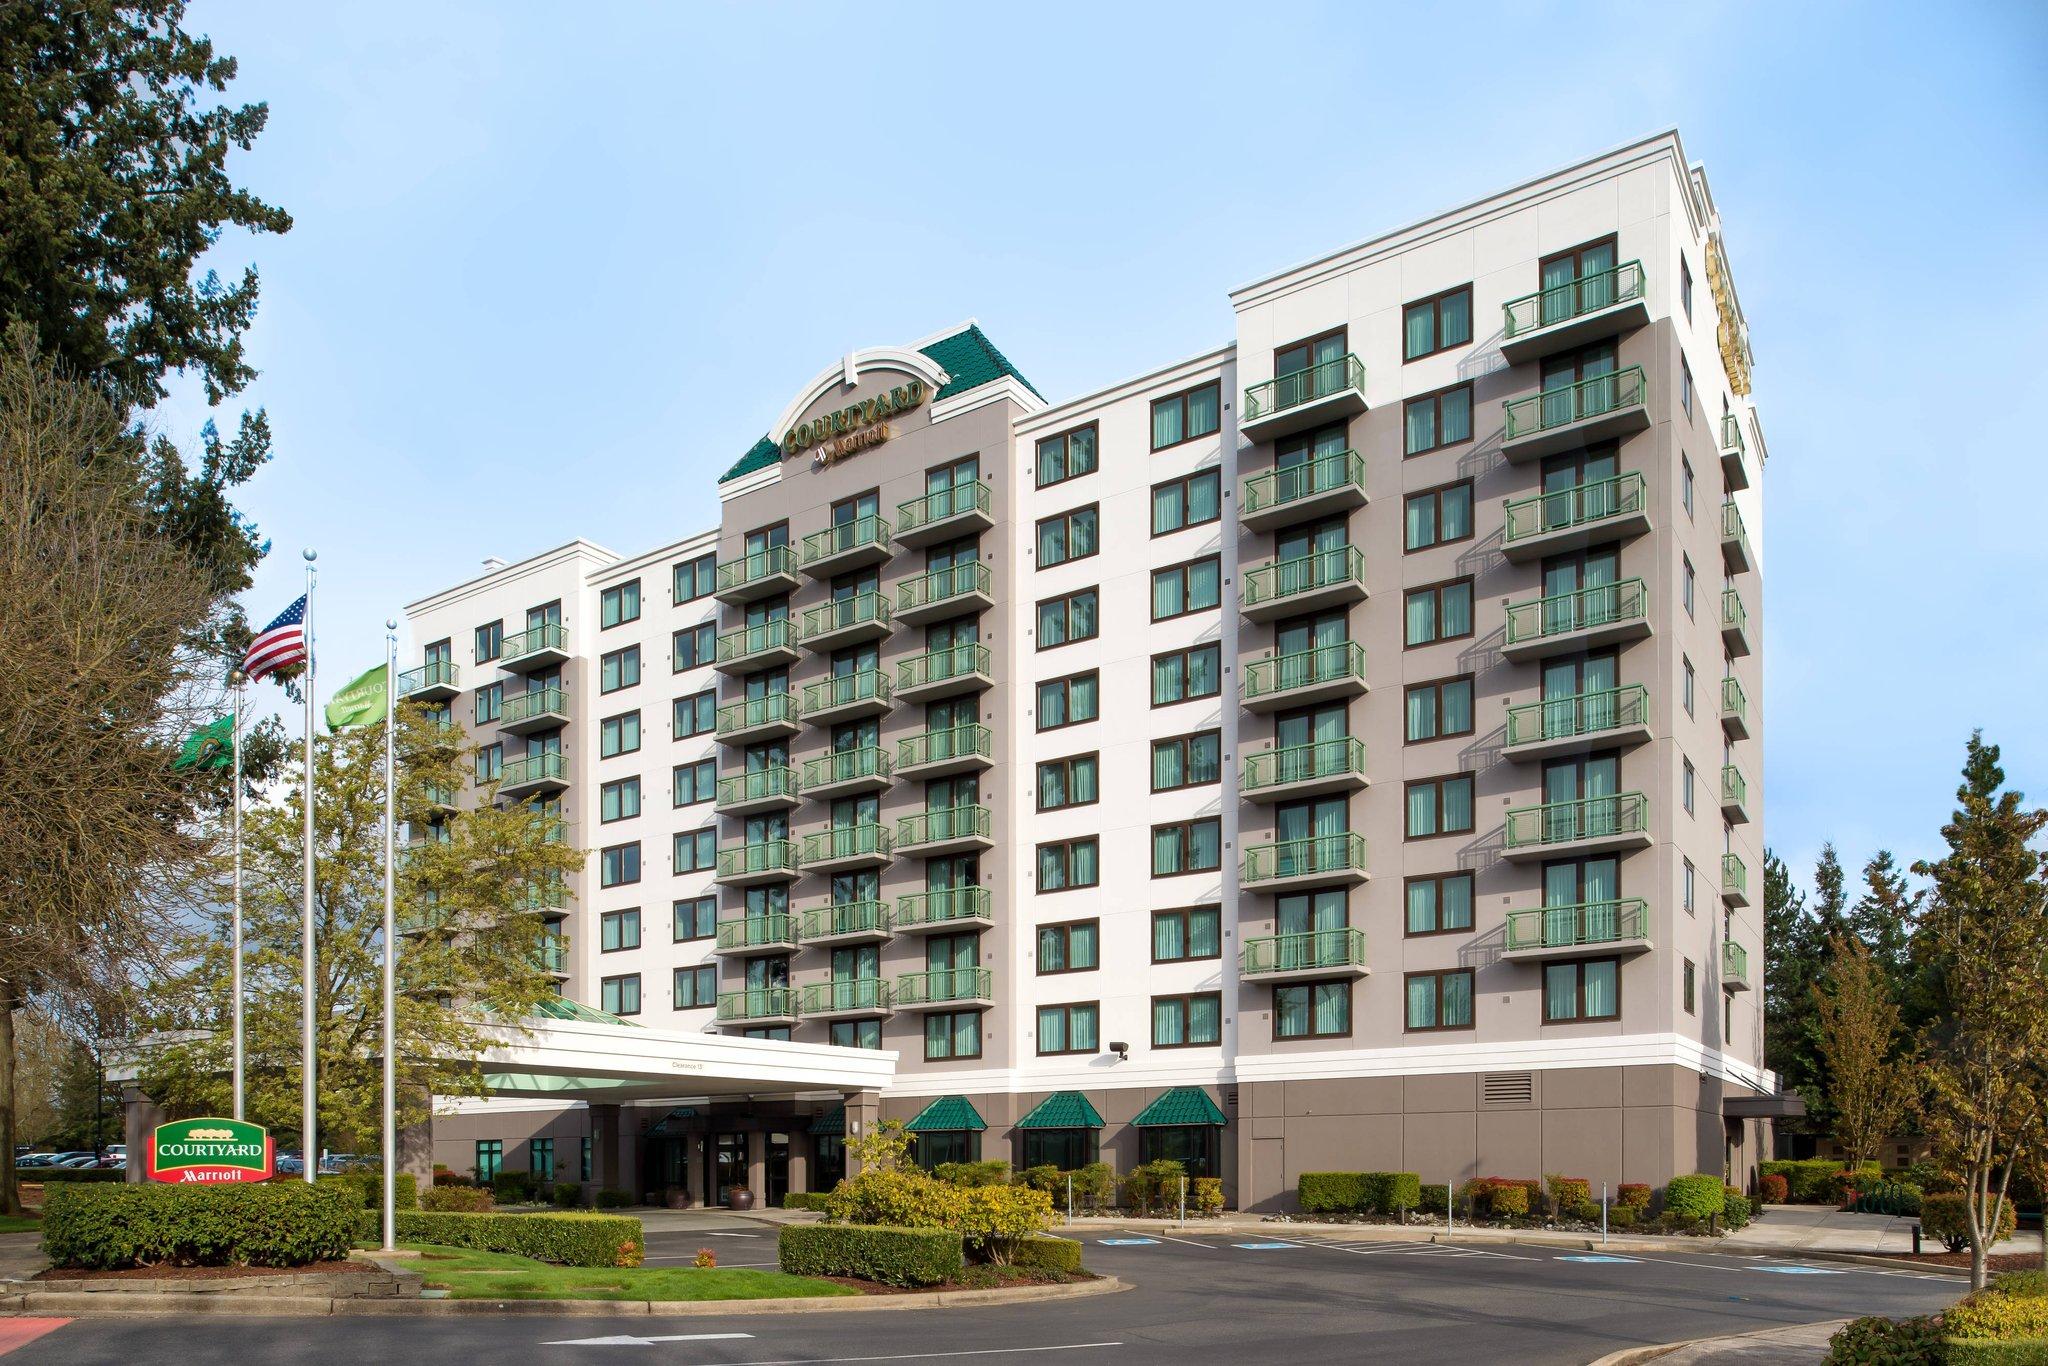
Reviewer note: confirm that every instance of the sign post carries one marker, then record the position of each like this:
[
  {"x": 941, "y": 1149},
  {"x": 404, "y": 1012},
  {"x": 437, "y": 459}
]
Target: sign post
[{"x": 210, "y": 1150}]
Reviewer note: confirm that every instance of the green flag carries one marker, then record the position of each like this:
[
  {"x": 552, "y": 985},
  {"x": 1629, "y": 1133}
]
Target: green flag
[
  {"x": 360, "y": 703},
  {"x": 211, "y": 746}
]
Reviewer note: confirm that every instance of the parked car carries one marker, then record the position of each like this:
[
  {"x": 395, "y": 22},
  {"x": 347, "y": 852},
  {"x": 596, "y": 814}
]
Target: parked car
[
  {"x": 36, "y": 1160},
  {"x": 290, "y": 1164}
]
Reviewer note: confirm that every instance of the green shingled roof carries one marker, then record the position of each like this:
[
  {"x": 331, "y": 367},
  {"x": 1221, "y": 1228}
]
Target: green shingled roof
[
  {"x": 831, "y": 1123},
  {"x": 1181, "y": 1105},
  {"x": 1062, "y": 1110},
  {"x": 762, "y": 454},
  {"x": 947, "y": 1113}
]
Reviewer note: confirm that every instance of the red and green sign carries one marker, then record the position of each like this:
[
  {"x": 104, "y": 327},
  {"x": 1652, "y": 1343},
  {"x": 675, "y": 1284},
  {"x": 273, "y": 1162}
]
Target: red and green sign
[{"x": 212, "y": 1149}]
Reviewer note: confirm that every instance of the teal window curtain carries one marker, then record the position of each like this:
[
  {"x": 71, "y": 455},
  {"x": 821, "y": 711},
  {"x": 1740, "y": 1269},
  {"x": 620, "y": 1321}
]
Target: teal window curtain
[
  {"x": 1168, "y": 509},
  {"x": 1052, "y": 785},
  {"x": 1420, "y": 416},
  {"x": 1457, "y": 1003},
  {"x": 1166, "y": 593},
  {"x": 1052, "y": 459},
  {"x": 1052, "y": 541},
  {"x": 1205, "y": 584},
  {"x": 1205, "y": 668},
  {"x": 1332, "y": 1004},
  {"x": 1454, "y": 318},
  {"x": 1290, "y": 1012},
  {"x": 1456, "y": 904},
  {"x": 1205, "y": 759},
  {"x": 1422, "y": 810},
  {"x": 1205, "y": 1019},
  {"x": 1205, "y": 845},
  {"x": 1081, "y": 1032},
  {"x": 1166, "y": 681},
  {"x": 1454, "y": 511},
  {"x": 1082, "y": 613},
  {"x": 1167, "y": 1024},
  {"x": 1081, "y": 950},
  {"x": 1561, "y": 991},
  {"x": 1166, "y": 423},
  {"x": 1421, "y": 521},
  {"x": 1084, "y": 863},
  {"x": 1205, "y": 492},
  {"x": 1081, "y": 697},
  {"x": 1081, "y": 451},
  {"x": 1052, "y": 1029},
  {"x": 1454, "y": 416},
  {"x": 1457, "y": 706},
  {"x": 1167, "y": 768},
  {"x": 1204, "y": 932},
  {"x": 1052, "y": 950},
  {"x": 1169, "y": 938},
  {"x": 1422, "y": 907},
  {"x": 1082, "y": 533},
  {"x": 1421, "y": 617},
  {"x": 1602, "y": 999},
  {"x": 1052, "y": 868},
  {"x": 1204, "y": 407},
  {"x": 966, "y": 1034},
  {"x": 1422, "y": 722},
  {"x": 1166, "y": 851},
  {"x": 1419, "y": 332},
  {"x": 1422, "y": 1003},
  {"x": 1052, "y": 705},
  {"x": 1457, "y": 803},
  {"x": 1457, "y": 609},
  {"x": 1082, "y": 776},
  {"x": 1052, "y": 623}
]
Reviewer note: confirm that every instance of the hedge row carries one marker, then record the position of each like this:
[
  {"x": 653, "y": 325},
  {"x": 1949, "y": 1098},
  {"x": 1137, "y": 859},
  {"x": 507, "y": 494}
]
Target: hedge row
[
  {"x": 101, "y": 1227},
  {"x": 1947, "y": 1217},
  {"x": 1047, "y": 1253},
  {"x": 1358, "y": 1192},
  {"x": 52, "y": 1176},
  {"x": 369, "y": 1187},
  {"x": 563, "y": 1239},
  {"x": 811, "y": 1200},
  {"x": 872, "y": 1252}
]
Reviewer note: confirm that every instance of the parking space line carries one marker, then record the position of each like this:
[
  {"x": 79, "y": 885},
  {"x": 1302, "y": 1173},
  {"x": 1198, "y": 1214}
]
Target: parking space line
[{"x": 1184, "y": 1242}]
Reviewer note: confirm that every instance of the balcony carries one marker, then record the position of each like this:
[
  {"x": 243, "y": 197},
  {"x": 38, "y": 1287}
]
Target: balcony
[
  {"x": 1734, "y": 880},
  {"x": 944, "y": 989},
  {"x": 843, "y": 773},
  {"x": 1295, "y": 957},
  {"x": 847, "y": 697},
  {"x": 439, "y": 798},
  {"x": 959, "y": 511},
  {"x": 851, "y": 620},
  {"x": 536, "y": 648},
  {"x": 937, "y": 753},
  {"x": 1602, "y": 719},
  {"x": 757, "y": 574},
  {"x": 1299, "y": 863},
  {"x": 849, "y": 998},
  {"x": 945, "y": 593},
  {"x": 1570, "y": 518},
  {"x": 533, "y": 773},
  {"x": 1734, "y": 623},
  {"x": 1304, "y": 770},
  {"x": 843, "y": 546},
  {"x": 1735, "y": 551},
  {"x": 1305, "y": 584},
  {"x": 1734, "y": 967},
  {"x": 1565, "y": 623},
  {"x": 549, "y": 897},
  {"x": 1734, "y": 709},
  {"x": 761, "y": 789},
  {"x": 844, "y": 848},
  {"x": 1603, "y": 408},
  {"x": 943, "y": 673},
  {"x": 1323, "y": 674},
  {"x": 1612, "y": 927},
  {"x": 553, "y": 957},
  {"x": 950, "y": 830},
  {"x": 760, "y": 1006},
  {"x": 1590, "y": 825},
  {"x": 1734, "y": 455},
  {"x": 764, "y": 645},
  {"x": 1333, "y": 391},
  {"x": 748, "y": 865},
  {"x": 850, "y": 922},
  {"x": 772, "y": 933},
  {"x": 957, "y": 908},
  {"x": 434, "y": 681},
  {"x": 766, "y": 717},
  {"x": 1607, "y": 303},
  {"x": 1327, "y": 484},
  {"x": 1734, "y": 795},
  {"x": 535, "y": 709}
]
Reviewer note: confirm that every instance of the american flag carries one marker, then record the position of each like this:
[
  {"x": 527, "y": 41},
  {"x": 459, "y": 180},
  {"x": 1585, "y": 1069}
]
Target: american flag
[{"x": 279, "y": 645}]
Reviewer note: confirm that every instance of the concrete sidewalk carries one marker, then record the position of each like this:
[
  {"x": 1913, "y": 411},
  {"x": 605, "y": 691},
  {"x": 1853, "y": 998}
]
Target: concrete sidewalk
[
  {"x": 1818, "y": 1228},
  {"x": 1797, "y": 1345}
]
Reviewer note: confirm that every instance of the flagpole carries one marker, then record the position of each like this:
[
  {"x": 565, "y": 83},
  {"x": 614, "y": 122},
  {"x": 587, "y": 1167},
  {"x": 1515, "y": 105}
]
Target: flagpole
[
  {"x": 390, "y": 935},
  {"x": 309, "y": 1138},
  {"x": 236, "y": 933}
]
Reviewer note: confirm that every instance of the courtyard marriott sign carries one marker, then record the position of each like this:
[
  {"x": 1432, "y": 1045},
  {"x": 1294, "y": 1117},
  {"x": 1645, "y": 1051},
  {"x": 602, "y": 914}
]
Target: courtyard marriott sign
[
  {"x": 855, "y": 427},
  {"x": 211, "y": 1149}
]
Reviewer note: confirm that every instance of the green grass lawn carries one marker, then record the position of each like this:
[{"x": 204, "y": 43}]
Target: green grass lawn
[
  {"x": 20, "y": 1223},
  {"x": 468, "y": 1275}
]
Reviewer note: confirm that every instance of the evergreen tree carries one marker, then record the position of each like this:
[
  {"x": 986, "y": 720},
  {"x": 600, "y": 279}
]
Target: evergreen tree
[
  {"x": 1792, "y": 959},
  {"x": 1882, "y": 918},
  {"x": 1830, "y": 900}
]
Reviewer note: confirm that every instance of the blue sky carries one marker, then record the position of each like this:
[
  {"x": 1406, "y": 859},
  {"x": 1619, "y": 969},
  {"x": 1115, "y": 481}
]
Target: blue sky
[{"x": 556, "y": 266}]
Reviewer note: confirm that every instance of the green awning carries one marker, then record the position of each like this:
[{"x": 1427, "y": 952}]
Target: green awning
[
  {"x": 829, "y": 1124},
  {"x": 1062, "y": 1110},
  {"x": 562, "y": 1008},
  {"x": 947, "y": 1114},
  {"x": 1181, "y": 1106}
]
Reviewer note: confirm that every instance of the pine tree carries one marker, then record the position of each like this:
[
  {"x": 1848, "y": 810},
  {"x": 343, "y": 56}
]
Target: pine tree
[
  {"x": 1792, "y": 957},
  {"x": 1882, "y": 918}
]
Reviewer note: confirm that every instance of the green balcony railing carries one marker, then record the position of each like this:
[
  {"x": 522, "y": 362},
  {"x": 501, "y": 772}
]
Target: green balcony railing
[
  {"x": 438, "y": 796},
  {"x": 937, "y": 666},
  {"x": 554, "y": 953},
  {"x": 1586, "y": 713},
  {"x": 1340, "y": 757},
  {"x": 1569, "y": 403},
  {"x": 1291, "y": 484},
  {"x": 941, "y": 506},
  {"x": 1734, "y": 616},
  {"x": 1589, "y": 922},
  {"x": 1304, "y": 669},
  {"x": 938, "y": 746},
  {"x": 945, "y": 907},
  {"x": 1310, "y": 951},
  {"x": 1734, "y": 787},
  {"x": 1624, "y": 813},
  {"x": 1734, "y": 875},
  {"x": 777, "y": 633},
  {"x": 1303, "y": 386},
  {"x": 1732, "y": 527},
  {"x": 843, "y": 614},
  {"x": 1734, "y": 963},
  {"x": 842, "y": 537},
  {"x": 1606, "y": 604},
  {"x": 862, "y": 839},
  {"x": 761, "y": 1003},
  {"x": 1573, "y": 299},
  {"x": 534, "y": 768},
  {"x": 775, "y": 930},
  {"x": 1587, "y": 504},
  {"x": 438, "y": 674},
  {"x": 843, "y": 993},
  {"x": 846, "y": 766},
  {"x": 1316, "y": 856},
  {"x": 533, "y": 704},
  {"x": 775, "y": 708},
  {"x": 546, "y": 636},
  {"x": 1731, "y": 434},
  {"x": 942, "y": 985},
  {"x": 1304, "y": 574},
  {"x": 846, "y": 917},
  {"x": 1734, "y": 702},
  {"x": 756, "y": 565},
  {"x": 947, "y": 823},
  {"x": 844, "y": 690},
  {"x": 552, "y": 894},
  {"x": 759, "y": 856},
  {"x": 943, "y": 585},
  {"x": 757, "y": 785}
]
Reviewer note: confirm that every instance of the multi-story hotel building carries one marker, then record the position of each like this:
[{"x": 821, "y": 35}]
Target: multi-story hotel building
[{"x": 1337, "y": 749}]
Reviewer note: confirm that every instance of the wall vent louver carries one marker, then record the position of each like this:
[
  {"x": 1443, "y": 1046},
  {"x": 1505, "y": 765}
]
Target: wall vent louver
[{"x": 1508, "y": 1088}]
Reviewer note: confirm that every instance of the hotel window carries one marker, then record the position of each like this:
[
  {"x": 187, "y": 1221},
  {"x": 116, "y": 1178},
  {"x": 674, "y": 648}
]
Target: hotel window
[
  {"x": 777, "y": 1033},
  {"x": 1685, "y": 483},
  {"x": 696, "y": 851},
  {"x": 1434, "y": 421},
  {"x": 490, "y": 1157},
  {"x": 620, "y": 995},
  {"x": 1183, "y": 417},
  {"x": 696, "y": 714},
  {"x": 1183, "y": 675},
  {"x": 696, "y": 988},
  {"x": 1438, "y": 516},
  {"x": 1184, "y": 588},
  {"x": 490, "y": 703},
  {"x": 542, "y": 1163},
  {"x": 490, "y": 763},
  {"x": 1685, "y": 385},
  {"x": 1066, "y": 782},
  {"x": 695, "y": 918},
  {"x": 1187, "y": 935},
  {"x": 1068, "y": 948},
  {"x": 490, "y": 641},
  {"x": 1068, "y": 536},
  {"x": 1685, "y": 285},
  {"x": 1686, "y": 783},
  {"x": 1187, "y": 1021},
  {"x": 1067, "y": 1029},
  {"x": 1439, "y": 904},
  {"x": 1069, "y": 701},
  {"x": 1067, "y": 456},
  {"x": 1440, "y": 1000},
  {"x": 1691, "y": 988},
  {"x": 617, "y": 606},
  {"x": 952, "y": 1035},
  {"x": 695, "y": 578},
  {"x": 1439, "y": 709},
  {"x": 1067, "y": 864},
  {"x": 1691, "y": 685},
  {"x": 619, "y": 801},
  {"x": 1442, "y": 611},
  {"x": 1187, "y": 761},
  {"x": 618, "y": 930},
  {"x": 1432, "y": 325},
  {"x": 1440, "y": 806},
  {"x": 1187, "y": 847},
  {"x": 619, "y": 865},
  {"x": 1687, "y": 887},
  {"x": 583, "y": 1160},
  {"x": 695, "y": 646},
  {"x": 1312, "y": 1010},
  {"x": 855, "y": 1034},
  {"x": 1181, "y": 503},
  {"x": 619, "y": 669},
  {"x": 618, "y": 735},
  {"x": 696, "y": 782},
  {"x": 1582, "y": 991},
  {"x": 1689, "y": 584},
  {"x": 1062, "y": 621}
]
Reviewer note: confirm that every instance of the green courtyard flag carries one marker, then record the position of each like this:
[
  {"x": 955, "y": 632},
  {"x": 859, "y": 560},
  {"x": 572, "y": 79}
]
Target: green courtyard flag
[
  {"x": 211, "y": 746},
  {"x": 360, "y": 703}
]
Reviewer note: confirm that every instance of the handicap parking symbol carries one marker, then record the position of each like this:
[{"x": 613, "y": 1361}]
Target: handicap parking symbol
[
  {"x": 1263, "y": 1247},
  {"x": 1599, "y": 1257},
  {"x": 1799, "y": 1270},
  {"x": 1126, "y": 1242}
]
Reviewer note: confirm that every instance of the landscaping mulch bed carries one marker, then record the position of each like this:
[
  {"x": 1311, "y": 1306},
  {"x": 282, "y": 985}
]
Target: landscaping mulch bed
[
  {"x": 2003, "y": 1261},
  {"x": 1015, "y": 1278},
  {"x": 206, "y": 1273}
]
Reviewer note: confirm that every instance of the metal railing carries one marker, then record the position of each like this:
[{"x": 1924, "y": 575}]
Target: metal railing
[
  {"x": 1734, "y": 702},
  {"x": 949, "y": 906},
  {"x": 760, "y": 856},
  {"x": 776, "y": 930},
  {"x": 1304, "y": 763},
  {"x": 1587, "y": 922},
  {"x": 761, "y": 1003},
  {"x": 755, "y": 565},
  {"x": 862, "y": 839},
  {"x": 1731, "y": 434},
  {"x": 843, "y": 993},
  {"x": 1305, "y": 669},
  {"x": 937, "y": 666},
  {"x": 1292, "y": 390},
  {"x": 546, "y": 636},
  {"x": 1587, "y": 818},
  {"x": 1734, "y": 616},
  {"x": 1572, "y": 299},
  {"x": 757, "y": 785},
  {"x": 534, "y": 768},
  {"x": 1310, "y": 857},
  {"x": 943, "y": 585},
  {"x": 947, "y": 823},
  {"x": 845, "y": 766},
  {"x": 778, "y": 633},
  {"x": 438, "y": 674},
  {"x": 533, "y": 703},
  {"x": 1304, "y": 574},
  {"x": 841, "y": 537},
  {"x": 1734, "y": 874},
  {"x": 1734, "y": 962},
  {"x": 766, "y": 710},
  {"x": 554, "y": 953},
  {"x": 1308, "y": 951},
  {"x": 1604, "y": 604},
  {"x": 844, "y": 918},
  {"x": 943, "y": 984},
  {"x": 1580, "y": 505},
  {"x": 869, "y": 608},
  {"x": 939, "y": 506},
  {"x": 1585, "y": 713},
  {"x": 1278, "y": 487},
  {"x": 937, "y": 746},
  {"x": 1569, "y": 403},
  {"x": 843, "y": 690},
  {"x": 1734, "y": 787}
]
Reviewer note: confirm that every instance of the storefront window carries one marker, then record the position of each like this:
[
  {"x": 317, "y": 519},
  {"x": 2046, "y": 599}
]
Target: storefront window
[
  {"x": 1193, "y": 1146},
  {"x": 935, "y": 1146},
  {"x": 1067, "y": 1149}
]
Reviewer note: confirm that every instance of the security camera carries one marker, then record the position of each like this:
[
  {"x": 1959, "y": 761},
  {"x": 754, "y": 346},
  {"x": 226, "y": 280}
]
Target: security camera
[{"x": 1122, "y": 1050}]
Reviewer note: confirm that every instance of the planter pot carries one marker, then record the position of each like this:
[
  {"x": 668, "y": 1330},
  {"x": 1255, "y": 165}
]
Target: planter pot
[
  {"x": 676, "y": 1199},
  {"x": 739, "y": 1199}
]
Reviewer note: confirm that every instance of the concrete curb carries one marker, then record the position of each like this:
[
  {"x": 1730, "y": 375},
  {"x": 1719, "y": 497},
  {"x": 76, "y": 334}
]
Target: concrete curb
[{"x": 1633, "y": 1356}]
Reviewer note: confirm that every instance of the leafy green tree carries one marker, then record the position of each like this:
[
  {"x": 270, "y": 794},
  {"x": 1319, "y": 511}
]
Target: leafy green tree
[
  {"x": 1856, "y": 1030},
  {"x": 1882, "y": 918},
  {"x": 1792, "y": 960}
]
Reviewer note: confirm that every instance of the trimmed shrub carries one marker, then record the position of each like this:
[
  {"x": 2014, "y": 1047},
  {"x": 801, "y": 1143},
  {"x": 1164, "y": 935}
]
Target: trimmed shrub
[
  {"x": 1622, "y": 1216},
  {"x": 1984, "y": 1352},
  {"x": 1436, "y": 1195},
  {"x": 566, "y": 1194},
  {"x": 1565, "y": 1191},
  {"x": 405, "y": 1193},
  {"x": 972, "y": 1174},
  {"x": 60, "y": 1176},
  {"x": 1585, "y": 1211},
  {"x": 1878, "y": 1341},
  {"x": 1947, "y": 1217},
  {"x": 1844, "y": 1184},
  {"x": 994, "y": 1219},
  {"x": 1154, "y": 1187},
  {"x": 1044, "y": 1177},
  {"x": 890, "y": 1256},
  {"x": 1508, "y": 1201},
  {"x": 1392, "y": 1192},
  {"x": 1331, "y": 1192},
  {"x": 1094, "y": 1186},
  {"x": 457, "y": 1200},
  {"x": 1501, "y": 1197},
  {"x": 1734, "y": 1209},
  {"x": 1694, "y": 1198},
  {"x": 811, "y": 1200},
  {"x": 903, "y": 1198},
  {"x": 1205, "y": 1195},
  {"x": 1808, "y": 1181},
  {"x": 1047, "y": 1254},
  {"x": 1775, "y": 1189},
  {"x": 104, "y": 1228},
  {"x": 513, "y": 1188},
  {"x": 611, "y": 1197},
  {"x": 564, "y": 1239},
  {"x": 2029, "y": 1283},
  {"x": 444, "y": 1177},
  {"x": 1989, "y": 1314},
  {"x": 1634, "y": 1195}
]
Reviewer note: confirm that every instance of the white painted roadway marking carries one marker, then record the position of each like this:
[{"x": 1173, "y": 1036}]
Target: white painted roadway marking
[
  {"x": 927, "y": 1356},
  {"x": 1598, "y": 1257},
  {"x": 1184, "y": 1242},
  {"x": 1402, "y": 1248},
  {"x": 629, "y": 1340}
]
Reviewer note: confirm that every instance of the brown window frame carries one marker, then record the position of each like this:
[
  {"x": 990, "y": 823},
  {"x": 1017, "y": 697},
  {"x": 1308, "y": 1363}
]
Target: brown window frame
[
  {"x": 674, "y": 938},
  {"x": 1183, "y": 569},
  {"x": 1437, "y": 685},
  {"x": 1213, "y": 472},
  {"x": 1350, "y": 1010},
  {"x": 1066, "y": 848},
  {"x": 694, "y": 972},
  {"x": 1689, "y": 987},
  {"x": 639, "y": 991},
  {"x": 1182, "y": 399},
  {"x": 640, "y": 863},
  {"x": 1182, "y": 741},
  {"x": 1066, "y": 929},
  {"x": 619, "y": 784},
  {"x": 1067, "y": 598},
  {"x": 1436, "y": 397},
  {"x": 1185, "y": 999},
  {"x": 619, "y": 915},
  {"x": 639, "y": 606},
  {"x": 496, "y": 692},
  {"x": 1181, "y": 655},
  {"x": 696, "y": 767},
  {"x": 703, "y": 570},
  {"x": 1438, "y": 975},
  {"x": 1437, "y": 492},
  {"x": 1435, "y": 303},
  {"x": 493, "y": 631},
  {"x": 1438, "y": 783},
  {"x": 1185, "y": 912},
  {"x": 1065, "y": 683},
  {"x": 1067, "y": 517},
  {"x": 1576, "y": 255},
  {"x": 675, "y": 647},
  {"x": 1066, "y": 762},
  {"x": 951, "y": 1015},
  {"x": 1543, "y": 988},
  {"x": 639, "y": 731},
  {"x": 1472, "y": 902},
  {"x": 691, "y": 698},
  {"x": 1438, "y": 588},
  {"x": 695, "y": 839},
  {"x": 619, "y": 654},
  {"x": 1066, "y": 436},
  {"x": 1343, "y": 334},
  {"x": 1044, "y": 1052},
  {"x": 1185, "y": 828}
]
